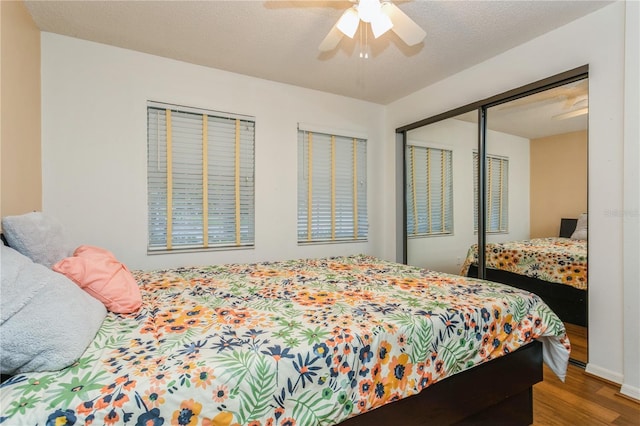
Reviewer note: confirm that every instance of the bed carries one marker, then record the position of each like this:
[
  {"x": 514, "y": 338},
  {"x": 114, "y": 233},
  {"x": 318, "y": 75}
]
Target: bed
[
  {"x": 353, "y": 340},
  {"x": 554, "y": 268}
]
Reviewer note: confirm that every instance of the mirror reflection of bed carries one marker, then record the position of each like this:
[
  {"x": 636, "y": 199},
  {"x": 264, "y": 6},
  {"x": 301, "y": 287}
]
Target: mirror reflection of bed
[
  {"x": 554, "y": 268},
  {"x": 536, "y": 146}
]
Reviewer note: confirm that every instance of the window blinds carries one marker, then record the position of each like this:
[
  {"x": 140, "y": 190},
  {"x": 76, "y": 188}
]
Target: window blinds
[
  {"x": 200, "y": 179},
  {"x": 497, "y": 193},
  {"x": 429, "y": 188},
  {"x": 332, "y": 187}
]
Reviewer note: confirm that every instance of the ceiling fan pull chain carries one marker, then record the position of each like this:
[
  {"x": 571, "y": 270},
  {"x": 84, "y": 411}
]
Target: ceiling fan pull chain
[
  {"x": 366, "y": 41},
  {"x": 364, "y": 47},
  {"x": 361, "y": 50}
]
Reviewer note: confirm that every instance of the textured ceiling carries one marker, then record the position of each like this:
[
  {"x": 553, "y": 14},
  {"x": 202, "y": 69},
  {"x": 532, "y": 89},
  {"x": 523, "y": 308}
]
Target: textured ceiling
[{"x": 278, "y": 40}]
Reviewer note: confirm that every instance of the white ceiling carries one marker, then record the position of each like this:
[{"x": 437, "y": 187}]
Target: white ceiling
[{"x": 278, "y": 40}]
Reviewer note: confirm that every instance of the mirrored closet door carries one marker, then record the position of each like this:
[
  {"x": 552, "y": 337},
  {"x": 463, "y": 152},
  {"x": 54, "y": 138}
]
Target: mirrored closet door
[
  {"x": 439, "y": 200},
  {"x": 508, "y": 174},
  {"x": 536, "y": 189}
]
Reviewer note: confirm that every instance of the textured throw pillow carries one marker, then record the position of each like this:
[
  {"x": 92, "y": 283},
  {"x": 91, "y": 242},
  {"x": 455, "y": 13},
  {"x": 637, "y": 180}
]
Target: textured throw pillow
[
  {"x": 581, "y": 228},
  {"x": 100, "y": 274},
  {"x": 46, "y": 321},
  {"x": 39, "y": 237}
]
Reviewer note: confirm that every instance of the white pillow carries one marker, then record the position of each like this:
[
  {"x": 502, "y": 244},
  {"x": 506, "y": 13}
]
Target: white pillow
[
  {"x": 46, "y": 321},
  {"x": 39, "y": 237},
  {"x": 581, "y": 228}
]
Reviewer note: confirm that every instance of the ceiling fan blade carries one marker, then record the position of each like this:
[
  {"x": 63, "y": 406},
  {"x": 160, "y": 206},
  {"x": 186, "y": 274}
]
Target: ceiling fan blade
[
  {"x": 403, "y": 26},
  {"x": 331, "y": 40}
]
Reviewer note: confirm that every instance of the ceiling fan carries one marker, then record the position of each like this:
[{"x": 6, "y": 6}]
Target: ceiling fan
[{"x": 381, "y": 15}]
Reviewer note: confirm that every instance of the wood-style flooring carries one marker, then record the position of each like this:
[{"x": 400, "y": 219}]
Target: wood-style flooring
[{"x": 582, "y": 399}]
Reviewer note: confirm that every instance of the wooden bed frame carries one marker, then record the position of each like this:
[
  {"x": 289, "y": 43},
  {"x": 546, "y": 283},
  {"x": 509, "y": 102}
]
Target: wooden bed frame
[
  {"x": 497, "y": 392},
  {"x": 569, "y": 303}
]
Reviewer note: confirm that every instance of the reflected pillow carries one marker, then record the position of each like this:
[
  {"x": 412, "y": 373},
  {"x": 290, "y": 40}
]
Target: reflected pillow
[
  {"x": 581, "y": 228},
  {"x": 100, "y": 274},
  {"x": 38, "y": 236},
  {"x": 46, "y": 321}
]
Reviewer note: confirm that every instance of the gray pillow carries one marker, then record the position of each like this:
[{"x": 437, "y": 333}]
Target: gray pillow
[
  {"x": 46, "y": 321},
  {"x": 38, "y": 236}
]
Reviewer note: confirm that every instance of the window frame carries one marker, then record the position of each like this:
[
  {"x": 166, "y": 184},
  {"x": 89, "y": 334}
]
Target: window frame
[
  {"x": 307, "y": 189},
  {"x": 243, "y": 167}
]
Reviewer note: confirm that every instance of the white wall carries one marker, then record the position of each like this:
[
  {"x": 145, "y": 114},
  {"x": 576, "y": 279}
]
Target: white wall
[
  {"x": 446, "y": 253},
  {"x": 598, "y": 40},
  {"x": 94, "y": 148}
]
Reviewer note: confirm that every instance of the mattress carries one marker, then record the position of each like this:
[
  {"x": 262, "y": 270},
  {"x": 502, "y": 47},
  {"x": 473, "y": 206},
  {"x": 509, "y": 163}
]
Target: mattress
[{"x": 306, "y": 342}]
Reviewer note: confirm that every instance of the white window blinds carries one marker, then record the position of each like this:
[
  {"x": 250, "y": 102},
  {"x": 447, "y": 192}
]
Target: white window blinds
[
  {"x": 429, "y": 189},
  {"x": 200, "y": 178},
  {"x": 332, "y": 187},
  {"x": 497, "y": 193}
]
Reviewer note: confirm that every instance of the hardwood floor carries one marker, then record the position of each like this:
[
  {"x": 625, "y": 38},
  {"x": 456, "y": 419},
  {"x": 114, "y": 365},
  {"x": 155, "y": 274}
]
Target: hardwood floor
[{"x": 581, "y": 400}]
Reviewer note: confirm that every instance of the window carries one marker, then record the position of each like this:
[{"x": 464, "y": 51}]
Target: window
[
  {"x": 429, "y": 189},
  {"x": 332, "y": 188},
  {"x": 497, "y": 193},
  {"x": 200, "y": 178}
]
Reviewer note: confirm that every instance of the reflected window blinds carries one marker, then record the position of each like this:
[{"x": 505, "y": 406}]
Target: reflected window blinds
[
  {"x": 200, "y": 178},
  {"x": 332, "y": 188},
  {"x": 497, "y": 193},
  {"x": 429, "y": 189}
]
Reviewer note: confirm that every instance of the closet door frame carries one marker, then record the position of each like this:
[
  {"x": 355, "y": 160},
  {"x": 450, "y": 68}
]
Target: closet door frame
[{"x": 481, "y": 106}]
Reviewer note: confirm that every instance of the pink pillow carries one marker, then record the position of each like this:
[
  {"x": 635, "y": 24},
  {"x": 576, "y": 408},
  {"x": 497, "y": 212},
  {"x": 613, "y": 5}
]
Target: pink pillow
[{"x": 99, "y": 273}]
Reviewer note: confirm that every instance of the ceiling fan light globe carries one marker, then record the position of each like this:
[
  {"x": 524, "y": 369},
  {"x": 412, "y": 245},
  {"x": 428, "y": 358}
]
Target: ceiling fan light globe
[
  {"x": 348, "y": 22},
  {"x": 381, "y": 24},
  {"x": 368, "y": 10}
]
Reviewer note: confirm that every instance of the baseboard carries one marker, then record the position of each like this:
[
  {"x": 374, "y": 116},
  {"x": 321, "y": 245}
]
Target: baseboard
[
  {"x": 603, "y": 373},
  {"x": 630, "y": 392}
]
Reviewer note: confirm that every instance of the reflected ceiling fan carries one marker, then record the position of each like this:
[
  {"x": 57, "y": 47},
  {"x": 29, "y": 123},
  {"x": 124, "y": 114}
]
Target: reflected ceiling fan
[
  {"x": 381, "y": 15},
  {"x": 576, "y": 105}
]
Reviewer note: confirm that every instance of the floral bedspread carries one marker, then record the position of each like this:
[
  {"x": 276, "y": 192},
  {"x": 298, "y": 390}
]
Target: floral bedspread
[
  {"x": 302, "y": 342},
  {"x": 556, "y": 260}
]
